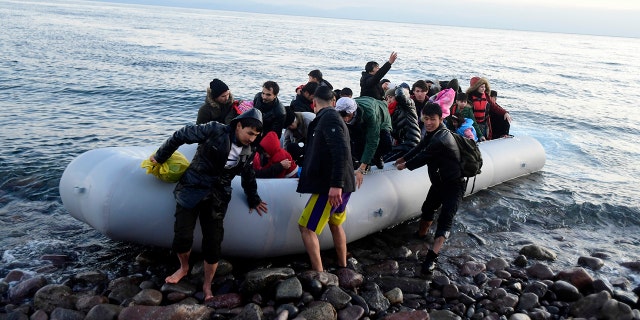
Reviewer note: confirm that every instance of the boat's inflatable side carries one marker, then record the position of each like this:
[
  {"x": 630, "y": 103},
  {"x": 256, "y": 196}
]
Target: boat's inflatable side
[{"x": 107, "y": 189}]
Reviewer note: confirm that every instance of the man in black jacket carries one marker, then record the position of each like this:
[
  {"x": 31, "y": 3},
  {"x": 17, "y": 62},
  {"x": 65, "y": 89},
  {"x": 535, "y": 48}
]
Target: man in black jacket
[
  {"x": 273, "y": 112},
  {"x": 204, "y": 190},
  {"x": 370, "y": 81},
  {"x": 328, "y": 175},
  {"x": 439, "y": 151}
]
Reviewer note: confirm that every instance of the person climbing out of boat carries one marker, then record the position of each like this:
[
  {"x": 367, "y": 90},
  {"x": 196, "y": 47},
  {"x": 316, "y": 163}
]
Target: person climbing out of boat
[
  {"x": 404, "y": 122},
  {"x": 218, "y": 105},
  {"x": 273, "y": 112},
  {"x": 462, "y": 106},
  {"x": 327, "y": 174},
  {"x": 369, "y": 125},
  {"x": 294, "y": 137},
  {"x": 439, "y": 151},
  {"x": 204, "y": 190},
  {"x": 478, "y": 94},
  {"x": 272, "y": 161},
  {"x": 304, "y": 100},
  {"x": 315, "y": 76},
  {"x": 370, "y": 85},
  {"x": 500, "y": 125},
  {"x": 463, "y": 126}
]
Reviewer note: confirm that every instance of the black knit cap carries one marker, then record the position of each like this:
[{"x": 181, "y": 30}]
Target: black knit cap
[{"x": 217, "y": 88}]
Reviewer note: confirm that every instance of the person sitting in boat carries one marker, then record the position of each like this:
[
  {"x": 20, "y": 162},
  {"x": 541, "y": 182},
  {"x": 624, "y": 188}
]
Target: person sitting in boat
[
  {"x": 369, "y": 126},
  {"x": 273, "y": 112},
  {"x": 404, "y": 121},
  {"x": 273, "y": 161},
  {"x": 370, "y": 85},
  {"x": 439, "y": 151},
  {"x": 463, "y": 126},
  {"x": 478, "y": 94},
  {"x": 346, "y": 92},
  {"x": 462, "y": 106},
  {"x": 204, "y": 190},
  {"x": 500, "y": 125},
  {"x": 304, "y": 100},
  {"x": 315, "y": 76},
  {"x": 420, "y": 90},
  {"x": 330, "y": 181},
  {"x": 218, "y": 105},
  {"x": 294, "y": 137}
]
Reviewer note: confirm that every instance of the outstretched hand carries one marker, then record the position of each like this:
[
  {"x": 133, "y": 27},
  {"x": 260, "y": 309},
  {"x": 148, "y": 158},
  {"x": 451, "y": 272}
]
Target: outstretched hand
[
  {"x": 393, "y": 57},
  {"x": 260, "y": 208}
]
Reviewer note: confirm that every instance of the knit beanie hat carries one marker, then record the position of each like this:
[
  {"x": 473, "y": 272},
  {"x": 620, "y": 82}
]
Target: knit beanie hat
[
  {"x": 474, "y": 80},
  {"x": 217, "y": 88}
]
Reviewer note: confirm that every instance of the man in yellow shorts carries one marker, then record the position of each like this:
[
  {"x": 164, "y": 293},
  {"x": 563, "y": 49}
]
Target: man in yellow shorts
[{"x": 327, "y": 173}]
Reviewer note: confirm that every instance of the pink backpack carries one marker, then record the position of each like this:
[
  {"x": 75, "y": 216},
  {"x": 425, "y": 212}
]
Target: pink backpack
[{"x": 445, "y": 99}]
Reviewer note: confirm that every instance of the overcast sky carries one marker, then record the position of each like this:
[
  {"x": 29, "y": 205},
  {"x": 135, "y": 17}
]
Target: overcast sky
[{"x": 596, "y": 17}]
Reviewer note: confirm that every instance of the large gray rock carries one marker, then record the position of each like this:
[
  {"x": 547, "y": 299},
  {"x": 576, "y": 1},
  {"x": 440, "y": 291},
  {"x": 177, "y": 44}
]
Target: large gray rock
[
  {"x": 53, "y": 296},
  {"x": 534, "y": 251},
  {"x": 66, "y": 314},
  {"x": 407, "y": 285},
  {"x": 260, "y": 279},
  {"x": 319, "y": 310},
  {"x": 374, "y": 297},
  {"x": 26, "y": 288},
  {"x": 104, "y": 312},
  {"x": 148, "y": 297},
  {"x": 540, "y": 271},
  {"x": 289, "y": 289},
  {"x": 251, "y": 311},
  {"x": 336, "y": 296},
  {"x": 565, "y": 291}
]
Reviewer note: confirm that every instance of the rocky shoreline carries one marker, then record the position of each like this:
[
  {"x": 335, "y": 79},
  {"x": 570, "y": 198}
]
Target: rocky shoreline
[{"x": 381, "y": 284}]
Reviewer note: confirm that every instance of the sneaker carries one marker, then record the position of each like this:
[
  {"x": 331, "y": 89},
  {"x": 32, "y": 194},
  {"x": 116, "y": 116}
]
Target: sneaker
[{"x": 429, "y": 262}]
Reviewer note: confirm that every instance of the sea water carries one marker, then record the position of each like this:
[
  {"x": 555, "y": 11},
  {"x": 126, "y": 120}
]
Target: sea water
[{"x": 76, "y": 76}]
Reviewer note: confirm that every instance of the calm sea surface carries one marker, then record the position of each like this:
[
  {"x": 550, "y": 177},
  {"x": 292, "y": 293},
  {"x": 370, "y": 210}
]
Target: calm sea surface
[{"x": 76, "y": 76}]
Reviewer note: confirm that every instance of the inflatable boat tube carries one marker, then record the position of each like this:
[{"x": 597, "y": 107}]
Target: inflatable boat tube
[{"x": 107, "y": 189}]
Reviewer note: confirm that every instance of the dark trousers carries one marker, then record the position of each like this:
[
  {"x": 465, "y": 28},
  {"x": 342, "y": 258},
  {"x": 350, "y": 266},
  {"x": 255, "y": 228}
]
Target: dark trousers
[
  {"x": 211, "y": 212},
  {"x": 447, "y": 195}
]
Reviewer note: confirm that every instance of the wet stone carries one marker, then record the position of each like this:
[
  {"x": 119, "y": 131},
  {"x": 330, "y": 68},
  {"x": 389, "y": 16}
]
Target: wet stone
[
  {"x": 443, "y": 315},
  {"x": 538, "y": 252},
  {"x": 336, "y": 296},
  {"x": 527, "y": 301},
  {"x": 394, "y": 296},
  {"x": 565, "y": 291},
  {"x": 592, "y": 263},
  {"x": 602, "y": 285},
  {"x": 52, "y": 296},
  {"x": 85, "y": 303},
  {"x": 26, "y": 288},
  {"x": 540, "y": 271},
  {"x": 292, "y": 311},
  {"x": 579, "y": 277},
  {"x": 520, "y": 261},
  {"x": 148, "y": 297},
  {"x": 351, "y": 312},
  {"x": 103, "y": 311},
  {"x": 503, "y": 274},
  {"x": 176, "y": 311},
  {"x": 519, "y": 316},
  {"x": 472, "y": 268},
  {"x": 183, "y": 287},
  {"x": 289, "y": 289},
  {"x": 401, "y": 253},
  {"x": 251, "y": 311},
  {"x": 67, "y": 314},
  {"x": 387, "y": 267},
  {"x": 229, "y": 300},
  {"x": 349, "y": 279},
  {"x": 590, "y": 305},
  {"x": 409, "y": 315},
  {"x": 14, "y": 275},
  {"x": 450, "y": 291},
  {"x": 537, "y": 287},
  {"x": 374, "y": 297},
  {"x": 260, "y": 279},
  {"x": 497, "y": 264},
  {"x": 175, "y": 296},
  {"x": 319, "y": 310}
]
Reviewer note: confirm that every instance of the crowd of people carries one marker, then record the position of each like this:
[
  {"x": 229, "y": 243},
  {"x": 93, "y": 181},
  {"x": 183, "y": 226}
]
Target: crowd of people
[{"x": 341, "y": 138}]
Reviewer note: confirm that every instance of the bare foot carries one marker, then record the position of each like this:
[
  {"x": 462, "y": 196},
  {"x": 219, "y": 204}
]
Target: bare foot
[
  {"x": 208, "y": 295},
  {"x": 176, "y": 276}
]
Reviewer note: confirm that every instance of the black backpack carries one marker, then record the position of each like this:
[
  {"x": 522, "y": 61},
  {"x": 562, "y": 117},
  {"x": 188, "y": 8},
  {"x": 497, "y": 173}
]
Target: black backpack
[{"x": 470, "y": 156}]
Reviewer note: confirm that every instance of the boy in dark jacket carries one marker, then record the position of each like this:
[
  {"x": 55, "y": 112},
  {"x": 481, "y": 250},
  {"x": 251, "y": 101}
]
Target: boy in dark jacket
[
  {"x": 439, "y": 151},
  {"x": 328, "y": 175},
  {"x": 204, "y": 190}
]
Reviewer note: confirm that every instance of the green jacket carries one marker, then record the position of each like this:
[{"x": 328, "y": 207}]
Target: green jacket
[{"x": 375, "y": 118}]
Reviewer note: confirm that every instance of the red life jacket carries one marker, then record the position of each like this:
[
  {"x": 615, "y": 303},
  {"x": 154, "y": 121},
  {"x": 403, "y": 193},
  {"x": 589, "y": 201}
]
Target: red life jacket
[{"x": 479, "y": 104}]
